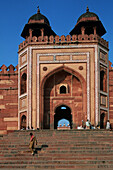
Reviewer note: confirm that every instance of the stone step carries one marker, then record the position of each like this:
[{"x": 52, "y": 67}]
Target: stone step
[
  {"x": 74, "y": 162},
  {"x": 59, "y": 167},
  {"x": 69, "y": 158},
  {"x": 58, "y": 150}
]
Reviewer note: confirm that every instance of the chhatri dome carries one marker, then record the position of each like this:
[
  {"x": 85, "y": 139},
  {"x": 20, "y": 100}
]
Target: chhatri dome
[
  {"x": 38, "y": 24},
  {"x": 89, "y": 21},
  {"x": 38, "y": 17},
  {"x": 88, "y": 16}
]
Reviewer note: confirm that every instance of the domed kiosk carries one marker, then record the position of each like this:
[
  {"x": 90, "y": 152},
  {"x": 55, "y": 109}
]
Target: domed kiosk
[
  {"x": 88, "y": 23},
  {"x": 38, "y": 25}
]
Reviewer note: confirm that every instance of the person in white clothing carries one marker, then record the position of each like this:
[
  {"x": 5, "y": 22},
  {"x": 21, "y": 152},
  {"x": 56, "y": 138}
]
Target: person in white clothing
[
  {"x": 108, "y": 125},
  {"x": 88, "y": 124}
]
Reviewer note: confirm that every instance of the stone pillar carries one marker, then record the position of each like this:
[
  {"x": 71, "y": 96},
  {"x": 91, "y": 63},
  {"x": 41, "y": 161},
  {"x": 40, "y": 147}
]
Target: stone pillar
[
  {"x": 95, "y": 31},
  {"x": 82, "y": 30},
  {"x": 30, "y": 33},
  {"x": 42, "y": 33}
]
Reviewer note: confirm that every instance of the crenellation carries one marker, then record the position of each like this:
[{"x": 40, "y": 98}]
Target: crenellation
[
  {"x": 8, "y": 70},
  {"x": 3, "y": 69},
  {"x": 46, "y": 39},
  {"x": 51, "y": 39},
  {"x": 8, "y": 95},
  {"x": 34, "y": 39},
  {"x": 57, "y": 38},
  {"x": 63, "y": 39},
  {"x": 74, "y": 38},
  {"x": 68, "y": 39}
]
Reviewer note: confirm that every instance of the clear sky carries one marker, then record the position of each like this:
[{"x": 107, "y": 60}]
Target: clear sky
[{"x": 62, "y": 15}]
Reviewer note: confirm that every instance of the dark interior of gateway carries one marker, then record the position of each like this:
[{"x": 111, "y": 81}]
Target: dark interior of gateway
[{"x": 62, "y": 112}]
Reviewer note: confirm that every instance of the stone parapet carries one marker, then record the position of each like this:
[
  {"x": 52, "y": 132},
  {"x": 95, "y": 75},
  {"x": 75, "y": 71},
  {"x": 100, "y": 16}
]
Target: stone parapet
[
  {"x": 64, "y": 40},
  {"x": 8, "y": 70},
  {"x": 8, "y": 98}
]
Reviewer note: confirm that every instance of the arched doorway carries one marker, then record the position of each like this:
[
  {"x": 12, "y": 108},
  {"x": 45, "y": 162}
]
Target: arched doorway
[
  {"x": 62, "y": 112},
  {"x": 62, "y": 85},
  {"x": 23, "y": 122},
  {"x": 102, "y": 117}
]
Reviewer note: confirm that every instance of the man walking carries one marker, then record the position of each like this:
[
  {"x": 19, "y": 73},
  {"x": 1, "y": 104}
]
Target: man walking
[{"x": 33, "y": 140}]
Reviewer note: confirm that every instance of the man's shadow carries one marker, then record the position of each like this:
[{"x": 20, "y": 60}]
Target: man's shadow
[{"x": 40, "y": 148}]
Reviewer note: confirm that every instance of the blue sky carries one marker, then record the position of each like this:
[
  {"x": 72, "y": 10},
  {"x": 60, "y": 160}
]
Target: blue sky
[{"x": 62, "y": 15}]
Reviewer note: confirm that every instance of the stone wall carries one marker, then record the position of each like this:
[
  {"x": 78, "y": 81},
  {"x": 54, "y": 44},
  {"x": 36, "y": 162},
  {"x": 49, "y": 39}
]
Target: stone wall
[
  {"x": 111, "y": 93},
  {"x": 8, "y": 98}
]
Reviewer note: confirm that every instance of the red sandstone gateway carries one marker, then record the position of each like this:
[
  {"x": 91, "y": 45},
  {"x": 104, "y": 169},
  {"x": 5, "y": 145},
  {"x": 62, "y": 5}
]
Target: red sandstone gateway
[{"x": 71, "y": 72}]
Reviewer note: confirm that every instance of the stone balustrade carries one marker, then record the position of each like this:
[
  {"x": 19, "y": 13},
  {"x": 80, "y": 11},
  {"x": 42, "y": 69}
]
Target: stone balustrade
[{"x": 64, "y": 40}]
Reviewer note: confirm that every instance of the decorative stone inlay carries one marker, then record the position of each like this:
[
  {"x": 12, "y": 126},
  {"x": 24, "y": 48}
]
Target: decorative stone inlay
[
  {"x": 23, "y": 102},
  {"x": 23, "y": 59},
  {"x": 103, "y": 100},
  {"x": 44, "y": 68},
  {"x": 80, "y": 67},
  {"x": 102, "y": 55}
]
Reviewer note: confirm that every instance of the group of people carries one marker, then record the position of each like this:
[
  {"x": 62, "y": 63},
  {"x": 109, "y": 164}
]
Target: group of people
[
  {"x": 88, "y": 125},
  {"x": 28, "y": 128}
]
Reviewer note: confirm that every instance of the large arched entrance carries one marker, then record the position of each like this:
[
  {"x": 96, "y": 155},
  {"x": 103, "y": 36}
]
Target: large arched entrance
[
  {"x": 62, "y": 87},
  {"x": 62, "y": 112}
]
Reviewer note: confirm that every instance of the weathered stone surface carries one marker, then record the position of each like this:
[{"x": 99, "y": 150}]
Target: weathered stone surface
[{"x": 8, "y": 98}]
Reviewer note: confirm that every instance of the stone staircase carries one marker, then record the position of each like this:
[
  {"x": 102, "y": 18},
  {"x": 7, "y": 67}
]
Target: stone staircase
[{"x": 63, "y": 150}]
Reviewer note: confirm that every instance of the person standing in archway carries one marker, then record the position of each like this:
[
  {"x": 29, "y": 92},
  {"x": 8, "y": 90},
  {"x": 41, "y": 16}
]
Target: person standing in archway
[{"x": 33, "y": 140}]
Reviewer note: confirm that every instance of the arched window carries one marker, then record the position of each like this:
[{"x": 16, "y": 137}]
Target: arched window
[
  {"x": 63, "y": 89},
  {"x": 23, "y": 83}
]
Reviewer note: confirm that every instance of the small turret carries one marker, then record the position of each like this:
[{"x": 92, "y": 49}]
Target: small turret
[
  {"x": 88, "y": 23},
  {"x": 38, "y": 25}
]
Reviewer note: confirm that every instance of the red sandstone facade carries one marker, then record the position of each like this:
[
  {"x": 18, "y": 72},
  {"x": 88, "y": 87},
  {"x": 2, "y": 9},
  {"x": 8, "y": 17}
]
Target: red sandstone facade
[
  {"x": 8, "y": 98},
  {"x": 58, "y": 77}
]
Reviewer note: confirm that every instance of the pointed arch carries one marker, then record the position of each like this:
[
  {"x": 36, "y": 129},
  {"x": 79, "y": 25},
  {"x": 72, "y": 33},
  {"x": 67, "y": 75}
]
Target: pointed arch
[{"x": 70, "y": 71}]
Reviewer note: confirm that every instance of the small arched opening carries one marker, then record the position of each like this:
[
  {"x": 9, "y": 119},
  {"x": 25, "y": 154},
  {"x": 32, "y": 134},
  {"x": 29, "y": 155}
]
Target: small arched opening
[
  {"x": 23, "y": 83},
  {"x": 63, "y": 89},
  {"x": 23, "y": 122},
  {"x": 62, "y": 112}
]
